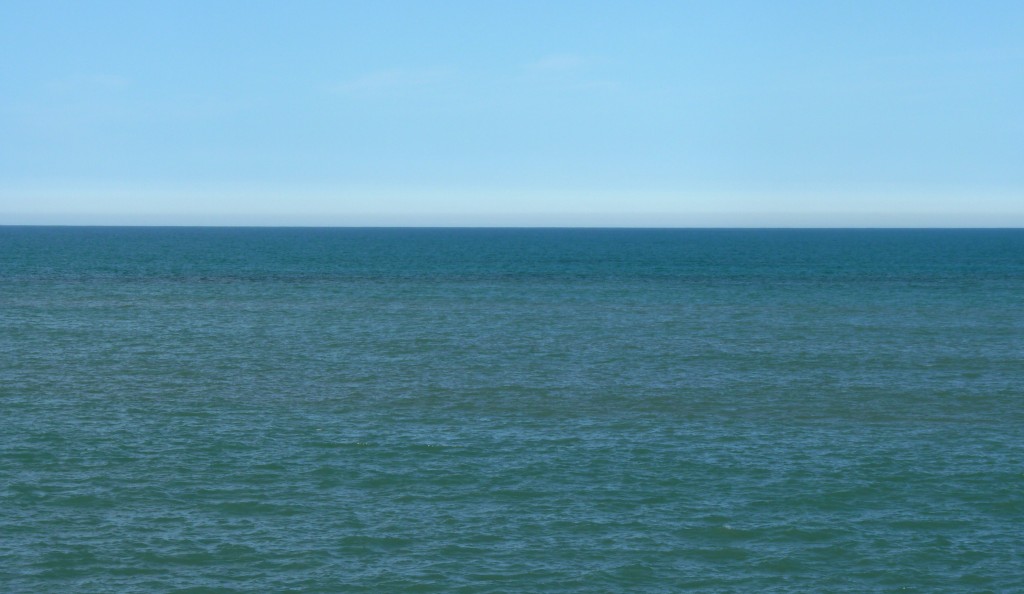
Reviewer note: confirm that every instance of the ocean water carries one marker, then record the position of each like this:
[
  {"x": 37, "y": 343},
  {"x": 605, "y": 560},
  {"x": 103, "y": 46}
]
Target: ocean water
[{"x": 550, "y": 410}]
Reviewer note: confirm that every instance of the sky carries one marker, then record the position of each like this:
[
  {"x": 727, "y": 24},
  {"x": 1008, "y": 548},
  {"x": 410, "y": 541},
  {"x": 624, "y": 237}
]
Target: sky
[{"x": 512, "y": 113}]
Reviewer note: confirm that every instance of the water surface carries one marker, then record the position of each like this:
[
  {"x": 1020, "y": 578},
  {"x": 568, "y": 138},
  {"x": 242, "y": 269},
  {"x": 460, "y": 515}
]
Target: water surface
[{"x": 511, "y": 410}]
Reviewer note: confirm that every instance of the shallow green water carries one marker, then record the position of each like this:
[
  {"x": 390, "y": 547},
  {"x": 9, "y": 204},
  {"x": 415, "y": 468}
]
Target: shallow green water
[{"x": 511, "y": 410}]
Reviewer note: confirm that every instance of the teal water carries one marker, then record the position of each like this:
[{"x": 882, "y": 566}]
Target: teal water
[{"x": 386, "y": 410}]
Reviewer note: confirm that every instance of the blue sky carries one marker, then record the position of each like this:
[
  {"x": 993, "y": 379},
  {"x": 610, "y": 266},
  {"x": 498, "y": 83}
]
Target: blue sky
[{"x": 680, "y": 113}]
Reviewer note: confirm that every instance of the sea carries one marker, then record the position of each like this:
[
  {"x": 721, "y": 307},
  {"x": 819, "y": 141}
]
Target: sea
[{"x": 511, "y": 410}]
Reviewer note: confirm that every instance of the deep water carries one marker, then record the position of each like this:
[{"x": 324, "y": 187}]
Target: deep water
[{"x": 459, "y": 410}]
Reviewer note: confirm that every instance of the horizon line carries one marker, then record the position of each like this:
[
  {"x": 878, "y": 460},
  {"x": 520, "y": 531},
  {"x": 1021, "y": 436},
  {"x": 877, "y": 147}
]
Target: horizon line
[{"x": 517, "y": 227}]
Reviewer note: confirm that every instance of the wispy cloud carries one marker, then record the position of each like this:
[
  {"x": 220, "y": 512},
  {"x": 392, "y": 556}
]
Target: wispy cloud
[
  {"x": 88, "y": 82},
  {"x": 385, "y": 81},
  {"x": 557, "y": 63},
  {"x": 568, "y": 72}
]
